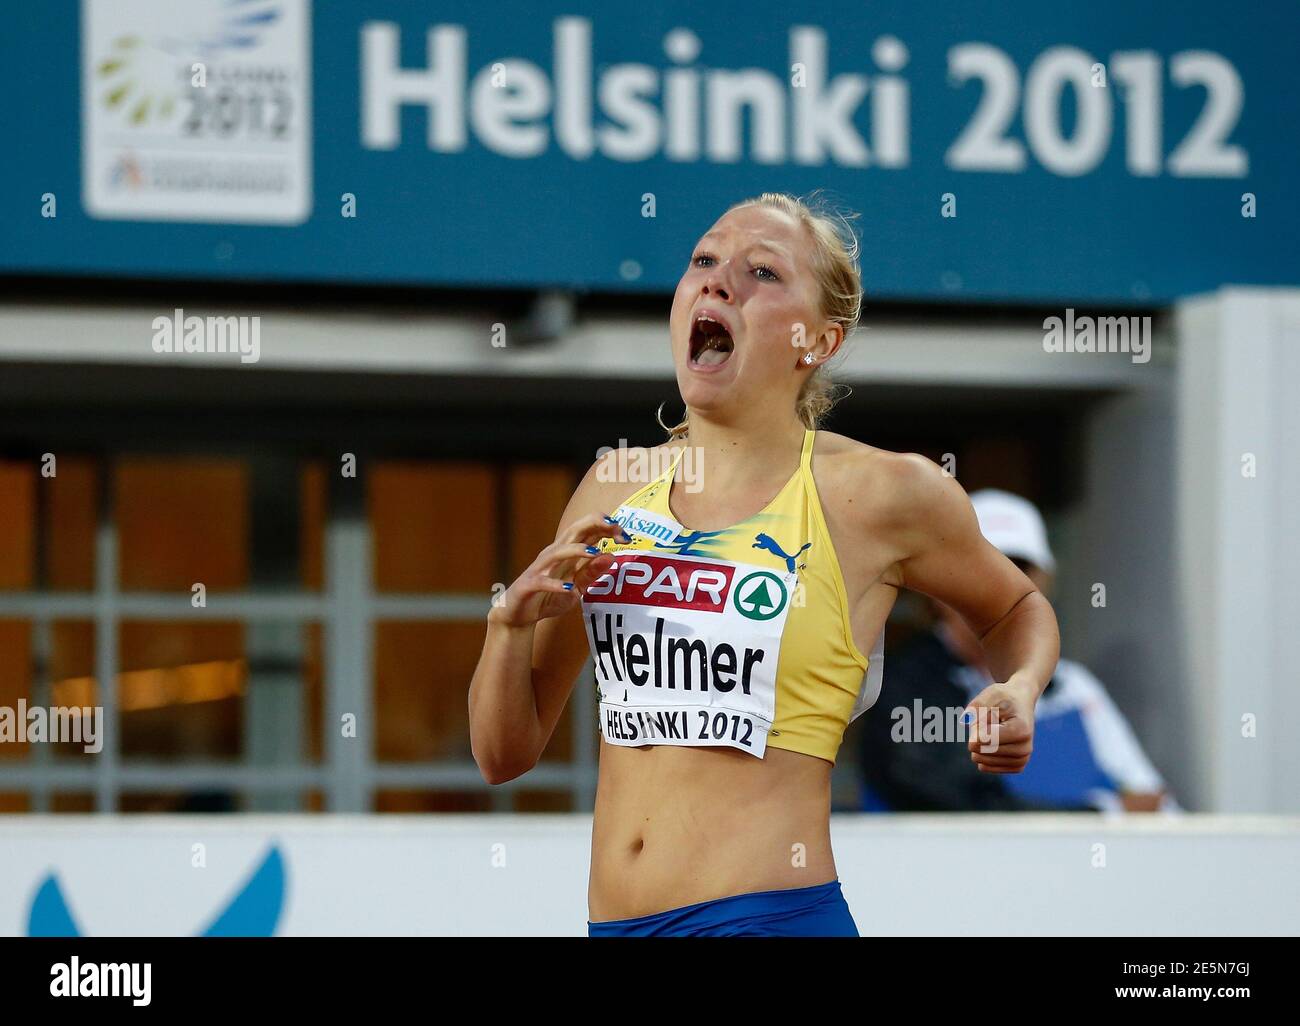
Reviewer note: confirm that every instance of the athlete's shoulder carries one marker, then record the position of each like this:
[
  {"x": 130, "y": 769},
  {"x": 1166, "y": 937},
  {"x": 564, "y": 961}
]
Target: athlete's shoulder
[{"x": 883, "y": 485}]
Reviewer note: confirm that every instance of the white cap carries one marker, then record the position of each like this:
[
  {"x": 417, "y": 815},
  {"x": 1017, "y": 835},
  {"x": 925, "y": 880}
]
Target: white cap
[{"x": 1013, "y": 526}]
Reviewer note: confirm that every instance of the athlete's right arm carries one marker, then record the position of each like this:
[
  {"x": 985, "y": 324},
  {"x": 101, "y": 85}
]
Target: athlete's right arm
[{"x": 536, "y": 645}]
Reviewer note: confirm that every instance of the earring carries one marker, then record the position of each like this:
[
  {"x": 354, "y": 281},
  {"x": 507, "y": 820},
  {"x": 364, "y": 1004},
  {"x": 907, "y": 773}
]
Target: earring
[{"x": 807, "y": 357}]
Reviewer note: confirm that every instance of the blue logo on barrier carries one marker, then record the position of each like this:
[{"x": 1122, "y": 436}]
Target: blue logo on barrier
[{"x": 253, "y": 912}]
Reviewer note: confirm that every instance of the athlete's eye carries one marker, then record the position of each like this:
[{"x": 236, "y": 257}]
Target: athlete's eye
[{"x": 762, "y": 271}]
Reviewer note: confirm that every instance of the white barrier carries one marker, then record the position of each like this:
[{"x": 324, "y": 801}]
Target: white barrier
[{"x": 527, "y": 874}]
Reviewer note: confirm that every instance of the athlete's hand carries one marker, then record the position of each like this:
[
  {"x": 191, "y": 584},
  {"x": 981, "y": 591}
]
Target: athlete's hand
[
  {"x": 563, "y": 570},
  {"x": 1002, "y": 727}
]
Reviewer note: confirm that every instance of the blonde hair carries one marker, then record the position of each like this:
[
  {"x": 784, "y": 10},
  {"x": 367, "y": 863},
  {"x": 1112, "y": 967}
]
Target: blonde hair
[{"x": 835, "y": 263}]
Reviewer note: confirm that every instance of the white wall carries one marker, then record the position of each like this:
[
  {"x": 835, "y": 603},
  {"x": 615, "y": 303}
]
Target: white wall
[
  {"x": 1238, "y": 545},
  {"x": 902, "y": 875}
]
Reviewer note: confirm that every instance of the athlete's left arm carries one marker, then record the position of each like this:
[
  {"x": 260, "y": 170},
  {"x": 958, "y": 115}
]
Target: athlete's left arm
[{"x": 945, "y": 556}]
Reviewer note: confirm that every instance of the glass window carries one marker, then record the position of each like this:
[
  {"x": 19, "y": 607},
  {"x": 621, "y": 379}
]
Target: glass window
[{"x": 206, "y": 690}]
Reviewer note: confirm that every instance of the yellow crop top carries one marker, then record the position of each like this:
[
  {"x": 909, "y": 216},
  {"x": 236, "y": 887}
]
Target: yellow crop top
[{"x": 738, "y": 637}]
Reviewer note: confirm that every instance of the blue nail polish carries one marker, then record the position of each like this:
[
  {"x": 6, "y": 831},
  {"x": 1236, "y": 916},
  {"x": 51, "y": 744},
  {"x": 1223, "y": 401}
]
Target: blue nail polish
[
  {"x": 593, "y": 550},
  {"x": 968, "y": 717},
  {"x": 568, "y": 585},
  {"x": 610, "y": 520},
  {"x": 625, "y": 536}
]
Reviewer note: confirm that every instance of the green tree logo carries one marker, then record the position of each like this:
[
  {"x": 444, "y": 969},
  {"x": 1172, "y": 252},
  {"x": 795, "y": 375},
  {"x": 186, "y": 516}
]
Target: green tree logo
[{"x": 760, "y": 596}]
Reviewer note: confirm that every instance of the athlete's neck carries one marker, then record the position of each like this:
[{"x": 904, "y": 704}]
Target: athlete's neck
[{"x": 733, "y": 454}]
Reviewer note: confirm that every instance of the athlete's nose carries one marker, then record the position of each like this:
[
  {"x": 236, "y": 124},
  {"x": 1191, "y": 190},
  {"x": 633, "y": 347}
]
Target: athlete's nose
[{"x": 716, "y": 285}]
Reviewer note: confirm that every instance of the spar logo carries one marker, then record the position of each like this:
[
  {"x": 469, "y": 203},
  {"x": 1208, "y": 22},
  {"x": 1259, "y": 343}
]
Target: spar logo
[
  {"x": 760, "y": 596},
  {"x": 644, "y": 580}
]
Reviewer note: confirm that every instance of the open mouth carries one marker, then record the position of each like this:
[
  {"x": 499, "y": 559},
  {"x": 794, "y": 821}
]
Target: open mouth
[{"x": 711, "y": 343}]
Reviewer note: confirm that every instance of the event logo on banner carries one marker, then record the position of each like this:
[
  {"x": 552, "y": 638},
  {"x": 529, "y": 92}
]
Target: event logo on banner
[{"x": 198, "y": 111}]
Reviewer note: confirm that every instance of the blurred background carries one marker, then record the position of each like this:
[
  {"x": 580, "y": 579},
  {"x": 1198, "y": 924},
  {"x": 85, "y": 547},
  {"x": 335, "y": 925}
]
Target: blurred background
[{"x": 458, "y": 231}]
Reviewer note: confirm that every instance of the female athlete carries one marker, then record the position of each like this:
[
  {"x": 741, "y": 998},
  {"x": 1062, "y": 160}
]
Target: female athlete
[{"x": 729, "y": 612}]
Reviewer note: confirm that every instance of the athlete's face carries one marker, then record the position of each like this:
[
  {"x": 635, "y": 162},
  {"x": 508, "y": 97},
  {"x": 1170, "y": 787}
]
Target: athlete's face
[{"x": 746, "y": 312}]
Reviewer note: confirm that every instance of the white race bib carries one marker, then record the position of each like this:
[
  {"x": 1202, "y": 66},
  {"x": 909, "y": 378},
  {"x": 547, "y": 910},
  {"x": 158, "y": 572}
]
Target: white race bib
[{"x": 686, "y": 649}]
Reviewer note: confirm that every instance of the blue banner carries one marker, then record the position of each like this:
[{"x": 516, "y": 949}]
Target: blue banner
[{"x": 1023, "y": 152}]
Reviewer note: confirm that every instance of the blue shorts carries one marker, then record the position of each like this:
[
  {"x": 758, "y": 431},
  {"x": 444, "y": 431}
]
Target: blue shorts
[{"x": 819, "y": 911}]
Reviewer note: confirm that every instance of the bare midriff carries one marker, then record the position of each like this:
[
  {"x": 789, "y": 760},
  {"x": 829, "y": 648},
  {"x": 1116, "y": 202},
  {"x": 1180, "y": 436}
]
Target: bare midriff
[{"x": 674, "y": 826}]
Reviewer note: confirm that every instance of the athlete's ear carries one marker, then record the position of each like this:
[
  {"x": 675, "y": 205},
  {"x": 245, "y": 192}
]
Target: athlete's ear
[
  {"x": 828, "y": 342},
  {"x": 823, "y": 346}
]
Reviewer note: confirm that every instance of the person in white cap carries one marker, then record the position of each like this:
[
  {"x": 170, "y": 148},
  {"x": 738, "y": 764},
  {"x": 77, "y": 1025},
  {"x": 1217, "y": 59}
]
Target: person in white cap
[
  {"x": 1085, "y": 753},
  {"x": 1015, "y": 527}
]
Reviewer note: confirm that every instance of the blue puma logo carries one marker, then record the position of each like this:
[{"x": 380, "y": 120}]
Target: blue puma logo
[{"x": 765, "y": 541}]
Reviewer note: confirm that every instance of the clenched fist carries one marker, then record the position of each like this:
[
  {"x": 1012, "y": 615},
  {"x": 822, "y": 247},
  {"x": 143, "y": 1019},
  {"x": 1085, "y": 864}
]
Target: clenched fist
[{"x": 1001, "y": 726}]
